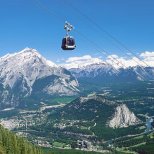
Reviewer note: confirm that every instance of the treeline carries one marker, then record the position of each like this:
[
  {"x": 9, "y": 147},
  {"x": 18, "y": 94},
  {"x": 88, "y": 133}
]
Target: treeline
[{"x": 12, "y": 144}]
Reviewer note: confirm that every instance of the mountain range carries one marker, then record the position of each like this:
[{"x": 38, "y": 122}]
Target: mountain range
[
  {"x": 28, "y": 75},
  {"x": 103, "y": 72}
]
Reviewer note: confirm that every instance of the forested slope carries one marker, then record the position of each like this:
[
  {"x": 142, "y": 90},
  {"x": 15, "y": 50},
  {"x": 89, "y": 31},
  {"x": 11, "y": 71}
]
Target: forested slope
[{"x": 12, "y": 144}]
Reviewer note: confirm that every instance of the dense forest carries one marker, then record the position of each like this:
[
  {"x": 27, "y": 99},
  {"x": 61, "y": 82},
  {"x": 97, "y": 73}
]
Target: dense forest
[{"x": 12, "y": 144}]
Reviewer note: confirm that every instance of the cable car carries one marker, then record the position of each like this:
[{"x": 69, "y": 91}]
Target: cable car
[{"x": 68, "y": 42}]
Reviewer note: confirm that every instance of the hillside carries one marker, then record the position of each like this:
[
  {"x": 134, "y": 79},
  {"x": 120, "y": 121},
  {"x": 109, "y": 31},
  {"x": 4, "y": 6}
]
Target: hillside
[
  {"x": 11, "y": 144},
  {"x": 88, "y": 121},
  {"x": 99, "y": 110}
]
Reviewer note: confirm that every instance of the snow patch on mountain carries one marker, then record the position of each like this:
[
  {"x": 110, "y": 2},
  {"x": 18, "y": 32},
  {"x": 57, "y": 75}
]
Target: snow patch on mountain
[{"x": 123, "y": 117}]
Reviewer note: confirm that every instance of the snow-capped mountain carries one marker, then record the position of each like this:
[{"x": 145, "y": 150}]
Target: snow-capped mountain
[
  {"x": 112, "y": 68},
  {"x": 106, "y": 72},
  {"x": 27, "y": 72},
  {"x": 93, "y": 70}
]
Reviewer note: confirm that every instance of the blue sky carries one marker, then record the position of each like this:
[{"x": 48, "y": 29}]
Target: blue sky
[{"x": 39, "y": 24}]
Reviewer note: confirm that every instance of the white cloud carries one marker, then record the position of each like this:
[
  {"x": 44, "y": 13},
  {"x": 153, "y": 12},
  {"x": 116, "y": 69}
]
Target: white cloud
[
  {"x": 147, "y": 54},
  {"x": 145, "y": 58},
  {"x": 148, "y": 58},
  {"x": 83, "y": 58},
  {"x": 76, "y": 62}
]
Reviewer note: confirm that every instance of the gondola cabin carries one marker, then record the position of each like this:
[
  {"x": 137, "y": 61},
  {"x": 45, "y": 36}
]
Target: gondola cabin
[{"x": 68, "y": 43}]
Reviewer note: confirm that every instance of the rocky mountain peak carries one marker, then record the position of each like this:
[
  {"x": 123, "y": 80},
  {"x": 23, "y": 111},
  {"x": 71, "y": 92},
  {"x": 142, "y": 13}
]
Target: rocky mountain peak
[
  {"x": 24, "y": 70},
  {"x": 27, "y": 49}
]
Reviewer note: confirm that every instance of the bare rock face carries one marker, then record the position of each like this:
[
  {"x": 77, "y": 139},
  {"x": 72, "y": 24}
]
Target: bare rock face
[{"x": 123, "y": 117}]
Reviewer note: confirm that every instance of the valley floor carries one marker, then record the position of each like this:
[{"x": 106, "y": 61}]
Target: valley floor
[{"x": 62, "y": 135}]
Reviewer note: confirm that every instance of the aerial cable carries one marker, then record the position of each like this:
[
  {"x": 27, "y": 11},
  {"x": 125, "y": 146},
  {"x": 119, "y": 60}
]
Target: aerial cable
[
  {"x": 112, "y": 37},
  {"x": 103, "y": 30},
  {"x": 104, "y": 52},
  {"x": 100, "y": 51},
  {"x": 60, "y": 17},
  {"x": 114, "y": 60}
]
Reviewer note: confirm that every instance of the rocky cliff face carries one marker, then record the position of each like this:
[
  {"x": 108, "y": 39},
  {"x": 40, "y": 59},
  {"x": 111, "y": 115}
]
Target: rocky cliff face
[{"x": 123, "y": 117}]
